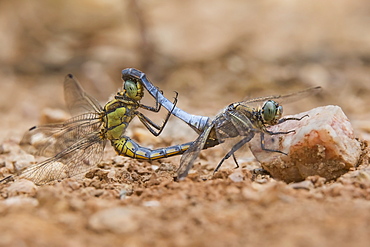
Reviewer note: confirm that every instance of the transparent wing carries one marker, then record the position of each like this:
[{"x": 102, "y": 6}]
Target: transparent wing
[
  {"x": 226, "y": 128},
  {"x": 231, "y": 124},
  {"x": 77, "y": 100},
  {"x": 73, "y": 161},
  {"x": 238, "y": 131},
  {"x": 287, "y": 97},
  {"x": 244, "y": 125},
  {"x": 188, "y": 158},
  {"x": 49, "y": 140}
]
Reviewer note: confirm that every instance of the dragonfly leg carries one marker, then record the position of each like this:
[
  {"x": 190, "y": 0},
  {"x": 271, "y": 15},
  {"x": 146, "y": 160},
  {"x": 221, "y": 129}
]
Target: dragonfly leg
[
  {"x": 157, "y": 103},
  {"x": 291, "y": 118},
  {"x": 236, "y": 161},
  {"x": 158, "y": 106},
  {"x": 198, "y": 123},
  {"x": 128, "y": 147},
  {"x": 272, "y": 150},
  {"x": 7, "y": 178},
  {"x": 232, "y": 151},
  {"x": 149, "y": 124},
  {"x": 278, "y": 133}
]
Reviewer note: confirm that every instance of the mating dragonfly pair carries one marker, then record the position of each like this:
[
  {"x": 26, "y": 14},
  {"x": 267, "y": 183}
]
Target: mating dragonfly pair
[{"x": 76, "y": 145}]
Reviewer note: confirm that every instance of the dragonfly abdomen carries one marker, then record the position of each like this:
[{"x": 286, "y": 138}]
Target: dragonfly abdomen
[{"x": 128, "y": 147}]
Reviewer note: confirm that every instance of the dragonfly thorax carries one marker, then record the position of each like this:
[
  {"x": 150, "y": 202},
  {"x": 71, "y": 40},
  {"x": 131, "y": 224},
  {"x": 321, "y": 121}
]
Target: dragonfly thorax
[
  {"x": 117, "y": 114},
  {"x": 271, "y": 112},
  {"x": 133, "y": 90}
]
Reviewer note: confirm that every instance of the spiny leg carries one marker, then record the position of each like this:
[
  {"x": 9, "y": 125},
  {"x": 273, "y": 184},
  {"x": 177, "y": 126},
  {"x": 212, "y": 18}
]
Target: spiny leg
[
  {"x": 291, "y": 118},
  {"x": 279, "y": 133},
  {"x": 235, "y": 161},
  {"x": 158, "y": 106},
  {"x": 272, "y": 133},
  {"x": 196, "y": 122},
  {"x": 235, "y": 148},
  {"x": 149, "y": 124}
]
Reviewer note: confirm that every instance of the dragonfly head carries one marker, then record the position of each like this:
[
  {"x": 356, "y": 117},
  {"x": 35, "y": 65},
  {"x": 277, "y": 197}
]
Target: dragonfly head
[
  {"x": 133, "y": 89},
  {"x": 271, "y": 112}
]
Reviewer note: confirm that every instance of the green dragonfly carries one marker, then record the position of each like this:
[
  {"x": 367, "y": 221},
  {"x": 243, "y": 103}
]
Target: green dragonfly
[{"x": 76, "y": 145}]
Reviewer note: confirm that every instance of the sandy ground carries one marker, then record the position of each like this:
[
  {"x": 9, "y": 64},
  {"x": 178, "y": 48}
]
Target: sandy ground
[{"x": 212, "y": 54}]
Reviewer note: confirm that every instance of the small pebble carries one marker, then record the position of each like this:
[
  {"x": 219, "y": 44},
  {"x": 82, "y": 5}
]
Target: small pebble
[
  {"x": 152, "y": 203},
  {"x": 22, "y": 186},
  {"x": 117, "y": 220},
  {"x": 236, "y": 176},
  {"x": 306, "y": 185},
  {"x": 20, "y": 201}
]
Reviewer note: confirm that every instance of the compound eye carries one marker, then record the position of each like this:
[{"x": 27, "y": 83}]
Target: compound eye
[
  {"x": 131, "y": 89},
  {"x": 269, "y": 110},
  {"x": 232, "y": 107},
  {"x": 279, "y": 112}
]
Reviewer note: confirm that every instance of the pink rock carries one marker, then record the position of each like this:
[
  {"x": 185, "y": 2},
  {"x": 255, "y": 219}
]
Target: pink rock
[{"x": 323, "y": 144}]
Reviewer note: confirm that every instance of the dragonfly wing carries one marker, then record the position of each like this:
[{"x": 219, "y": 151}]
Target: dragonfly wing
[
  {"x": 73, "y": 161},
  {"x": 235, "y": 132},
  {"x": 188, "y": 158},
  {"x": 287, "y": 97},
  {"x": 232, "y": 124},
  {"x": 49, "y": 140},
  {"x": 77, "y": 100},
  {"x": 224, "y": 127},
  {"x": 243, "y": 124}
]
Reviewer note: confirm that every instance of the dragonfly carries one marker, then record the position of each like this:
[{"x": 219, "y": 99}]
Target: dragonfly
[
  {"x": 77, "y": 144},
  {"x": 240, "y": 122}
]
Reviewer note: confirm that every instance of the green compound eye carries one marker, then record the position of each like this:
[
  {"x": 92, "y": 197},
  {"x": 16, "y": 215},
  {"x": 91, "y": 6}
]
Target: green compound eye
[
  {"x": 131, "y": 89},
  {"x": 271, "y": 111}
]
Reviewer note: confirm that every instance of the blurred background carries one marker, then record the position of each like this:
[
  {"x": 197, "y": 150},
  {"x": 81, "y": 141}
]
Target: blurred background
[{"x": 211, "y": 52}]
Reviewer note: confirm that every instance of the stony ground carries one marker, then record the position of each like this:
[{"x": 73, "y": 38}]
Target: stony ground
[{"x": 256, "y": 49}]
